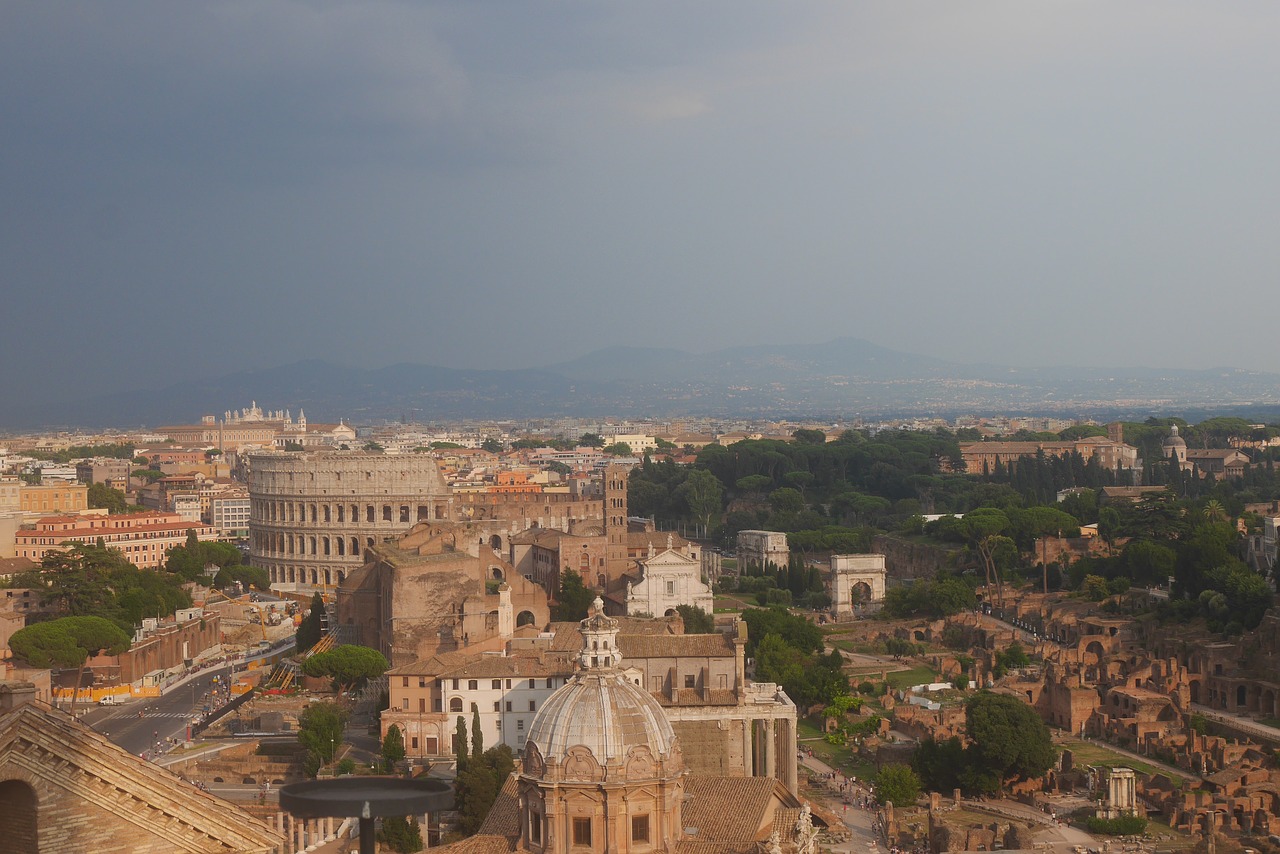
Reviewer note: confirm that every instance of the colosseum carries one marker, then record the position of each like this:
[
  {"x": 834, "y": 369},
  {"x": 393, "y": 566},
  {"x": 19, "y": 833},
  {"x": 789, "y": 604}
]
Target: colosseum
[{"x": 312, "y": 514}]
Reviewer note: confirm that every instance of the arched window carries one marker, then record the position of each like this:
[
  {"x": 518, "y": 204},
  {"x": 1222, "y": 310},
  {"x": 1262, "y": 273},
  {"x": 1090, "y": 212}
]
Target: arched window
[{"x": 455, "y": 704}]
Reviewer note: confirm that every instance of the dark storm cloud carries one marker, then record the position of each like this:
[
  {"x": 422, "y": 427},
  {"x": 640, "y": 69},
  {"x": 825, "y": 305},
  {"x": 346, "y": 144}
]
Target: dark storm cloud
[{"x": 193, "y": 188}]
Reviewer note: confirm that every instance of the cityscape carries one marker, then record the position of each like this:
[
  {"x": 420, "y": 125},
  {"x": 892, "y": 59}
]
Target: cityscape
[{"x": 663, "y": 428}]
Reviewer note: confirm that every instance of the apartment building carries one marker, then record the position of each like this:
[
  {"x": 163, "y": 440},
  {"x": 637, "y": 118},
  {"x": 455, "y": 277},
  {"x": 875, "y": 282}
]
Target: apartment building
[{"x": 144, "y": 538}]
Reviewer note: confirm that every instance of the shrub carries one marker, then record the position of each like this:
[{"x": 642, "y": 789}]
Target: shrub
[{"x": 1125, "y": 825}]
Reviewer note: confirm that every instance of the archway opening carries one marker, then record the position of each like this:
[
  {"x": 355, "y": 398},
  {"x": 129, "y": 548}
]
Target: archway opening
[
  {"x": 525, "y": 618},
  {"x": 19, "y": 816}
]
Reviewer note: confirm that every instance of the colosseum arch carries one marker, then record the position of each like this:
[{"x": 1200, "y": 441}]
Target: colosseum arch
[
  {"x": 495, "y": 543},
  {"x": 525, "y": 618}
]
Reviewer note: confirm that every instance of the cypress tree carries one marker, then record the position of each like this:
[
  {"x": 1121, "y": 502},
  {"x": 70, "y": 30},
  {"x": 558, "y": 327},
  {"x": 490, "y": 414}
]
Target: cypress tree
[
  {"x": 477, "y": 736},
  {"x": 460, "y": 743}
]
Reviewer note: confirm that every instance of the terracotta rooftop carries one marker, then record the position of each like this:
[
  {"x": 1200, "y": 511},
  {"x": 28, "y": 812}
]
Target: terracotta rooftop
[{"x": 731, "y": 809}]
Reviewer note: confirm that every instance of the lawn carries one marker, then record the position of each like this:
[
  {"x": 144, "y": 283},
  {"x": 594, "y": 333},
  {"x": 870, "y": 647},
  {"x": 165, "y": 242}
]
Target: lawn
[
  {"x": 1091, "y": 753},
  {"x": 840, "y": 758},
  {"x": 903, "y": 679}
]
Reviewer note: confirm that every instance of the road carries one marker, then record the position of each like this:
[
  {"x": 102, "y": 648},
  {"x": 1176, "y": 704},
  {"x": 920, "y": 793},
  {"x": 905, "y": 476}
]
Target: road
[{"x": 139, "y": 724}]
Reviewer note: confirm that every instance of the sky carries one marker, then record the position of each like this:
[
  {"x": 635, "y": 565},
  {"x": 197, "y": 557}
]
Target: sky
[{"x": 192, "y": 189}]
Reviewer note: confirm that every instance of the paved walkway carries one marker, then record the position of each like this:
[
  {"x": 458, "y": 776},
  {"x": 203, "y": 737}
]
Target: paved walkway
[
  {"x": 858, "y": 821},
  {"x": 1247, "y": 725}
]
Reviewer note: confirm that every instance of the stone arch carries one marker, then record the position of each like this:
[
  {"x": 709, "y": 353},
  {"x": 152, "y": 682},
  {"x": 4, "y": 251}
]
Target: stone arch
[
  {"x": 670, "y": 612},
  {"x": 860, "y": 593},
  {"x": 355, "y": 546},
  {"x": 495, "y": 543},
  {"x": 455, "y": 704},
  {"x": 342, "y": 576},
  {"x": 1094, "y": 649},
  {"x": 525, "y": 618},
  {"x": 1267, "y": 703},
  {"x": 342, "y": 546},
  {"x": 20, "y": 817},
  {"x": 1242, "y": 695},
  {"x": 1194, "y": 685},
  {"x": 495, "y": 573}
]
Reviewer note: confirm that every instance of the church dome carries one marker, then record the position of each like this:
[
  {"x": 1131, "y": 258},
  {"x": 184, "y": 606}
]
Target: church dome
[
  {"x": 1173, "y": 440},
  {"x": 601, "y": 725}
]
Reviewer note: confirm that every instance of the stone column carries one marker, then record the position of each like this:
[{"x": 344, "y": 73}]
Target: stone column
[
  {"x": 793, "y": 760},
  {"x": 770, "y": 750},
  {"x": 748, "y": 760}
]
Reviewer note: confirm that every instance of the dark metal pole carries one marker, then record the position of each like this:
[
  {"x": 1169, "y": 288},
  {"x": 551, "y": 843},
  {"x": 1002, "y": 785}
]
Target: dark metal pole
[{"x": 367, "y": 843}]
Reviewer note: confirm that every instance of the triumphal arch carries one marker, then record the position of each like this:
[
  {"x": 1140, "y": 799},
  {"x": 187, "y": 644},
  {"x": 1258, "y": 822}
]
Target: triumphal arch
[{"x": 856, "y": 582}]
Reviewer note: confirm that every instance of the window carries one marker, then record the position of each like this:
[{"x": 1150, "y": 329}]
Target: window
[
  {"x": 473, "y": 684},
  {"x": 520, "y": 724},
  {"x": 497, "y": 685},
  {"x": 582, "y": 831},
  {"x": 508, "y": 683},
  {"x": 455, "y": 704},
  {"x": 533, "y": 683},
  {"x": 535, "y": 828},
  {"x": 405, "y": 683},
  {"x": 508, "y": 705},
  {"x": 455, "y": 684},
  {"x": 422, "y": 681},
  {"x": 639, "y": 828},
  {"x": 671, "y": 588},
  {"x": 549, "y": 681},
  {"x": 533, "y": 706},
  {"x": 422, "y": 705},
  {"x": 690, "y": 682},
  {"x": 405, "y": 704},
  {"x": 435, "y": 704},
  {"x": 496, "y": 706}
]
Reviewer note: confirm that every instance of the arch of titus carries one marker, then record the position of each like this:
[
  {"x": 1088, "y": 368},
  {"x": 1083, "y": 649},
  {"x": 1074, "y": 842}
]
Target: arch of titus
[{"x": 856, "y": 580}]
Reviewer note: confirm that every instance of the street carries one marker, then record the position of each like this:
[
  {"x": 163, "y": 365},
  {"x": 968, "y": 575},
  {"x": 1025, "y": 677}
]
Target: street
[{"x": 138, "y": 725}]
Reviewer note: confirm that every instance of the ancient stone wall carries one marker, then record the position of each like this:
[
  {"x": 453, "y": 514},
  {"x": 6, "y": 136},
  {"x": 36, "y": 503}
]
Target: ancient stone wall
[{"x": 905, "y": 560}]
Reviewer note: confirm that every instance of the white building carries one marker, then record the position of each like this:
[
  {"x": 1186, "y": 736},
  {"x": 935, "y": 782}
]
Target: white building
[
  {"x": 637, "y": 442},
  {"x": 664, "y": 580},
  {"x": 230, "y": 515}
]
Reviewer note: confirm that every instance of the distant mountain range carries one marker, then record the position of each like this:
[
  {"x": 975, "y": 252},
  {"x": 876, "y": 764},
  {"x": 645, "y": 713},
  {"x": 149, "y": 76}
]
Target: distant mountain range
[{"x": 837, "y": 380}]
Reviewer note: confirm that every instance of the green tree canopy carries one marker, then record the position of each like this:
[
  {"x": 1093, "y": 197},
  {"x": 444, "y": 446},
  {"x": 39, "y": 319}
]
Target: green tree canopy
[
  {"x": 349, "y": 666},
  {"x": 321, "y": 727},
  {"x": 392, "y": 748},
  {"x": 897, "y": 784},
  {"x": 696, "y": 620},
  {"x": 312, "y": 627},
  {"x": 104, "y": 497},
  {"x": 574, "y": 598},
  {"x": 1007, "y": 738}
]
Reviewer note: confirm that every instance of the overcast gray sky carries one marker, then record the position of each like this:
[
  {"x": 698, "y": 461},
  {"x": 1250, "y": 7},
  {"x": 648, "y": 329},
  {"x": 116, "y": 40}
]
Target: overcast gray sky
[{"x": 195, "y": 188}]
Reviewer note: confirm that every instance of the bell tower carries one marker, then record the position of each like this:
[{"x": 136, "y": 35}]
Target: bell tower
[{"x": 615, "y": 520}]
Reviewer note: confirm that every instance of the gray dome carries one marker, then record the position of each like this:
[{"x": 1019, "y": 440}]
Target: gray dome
[
  {"x": 600, "y": 725},
  {"x": 1174, "y": 440},
  {"x": 604, "y": 712}
]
